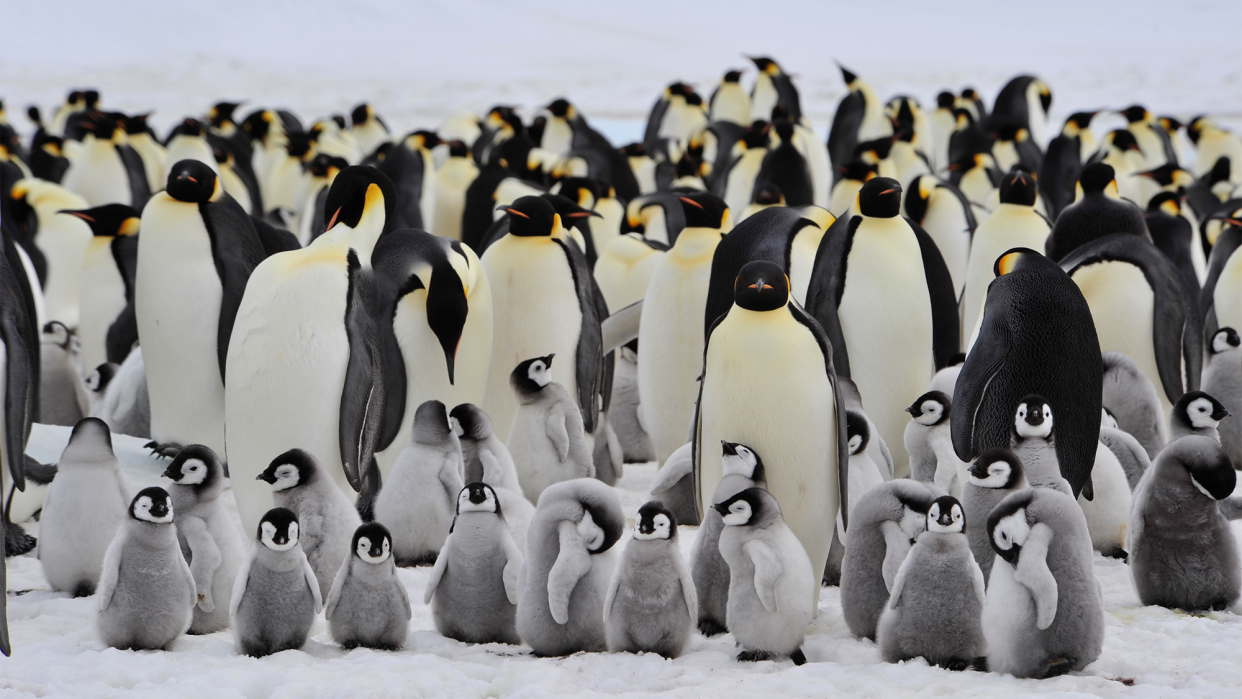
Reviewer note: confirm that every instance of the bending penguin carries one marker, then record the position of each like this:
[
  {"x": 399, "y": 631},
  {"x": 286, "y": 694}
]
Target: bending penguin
[
  {"x": 276, "y": 596},
  {"x": 546, "y": 440},
  {"x": 368, "y": 605},
  {"x": 995, "y": 475}
]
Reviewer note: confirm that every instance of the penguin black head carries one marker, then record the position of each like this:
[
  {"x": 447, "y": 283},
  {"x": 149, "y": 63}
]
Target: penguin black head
[
  {"x": 766, "y": 65},
  {"x": 570, "y": 213},
  {"x": 946, "y": 100},
  {"x": 292, "y": 468},
  {"x": 137, "y": 124},
  {"x": 1123, "y": 140},
  {"x": 769, "y": 195},
  {"x": 458, "y": 149},
  {"x": 278, "y": 530},
  {"x": 357, "y": 192},
  {"x": 57, "y": 333},
  {"x": 761, "y": 286},
  {"x": 1018, "y": 260},
  {"x": 996, "y": 468},
  {"x": 1224, "y": 340},
  {"x": 956, "y": 360},
  {"x": 583, "y": 190},
  {"x": 360, "y": 114},
  {"x": 99, "y": 379},
  {"x": 423, "y": 140},
  {"x": 857, "y": 170},
  {"x": 431, "y": 423},
  {"x": 732, "y": 76},
  {"x": 1171, "y": 125},
  {"x": 298, "y": 145},
  {"x": 532, "y": 217},
  {"x": 880, "y": 197},
  {"x": 748, "y": 508},
  {"x": 655, "y": 521},
  {"x": 221, "y": 113},
  {"x": 478, "y": 497},
  {"x": 1008, "y": 527},
  {"x": 1135, "y": 113},
  {"x": 152, "y": 505},
  {"x": 945, "y": 516},
  {"x": 704, "y": 210},
  {"x": 188, "y": 127},
  {"x": 470, "y": 422},
  {"x": 372, "y": 543},
  {"x": 560, "y": 107},
  {"x": 109, "y": 220},
  {"x": 1033, "y": 418},
  {"x": 532, "y": 375},
  {"x": 1168, "y": 202},
  {"x": 858, "y": 432},
  {"x": 1080, "y": 121},
  {"x": 931, "y": 408},
  {"x": 196, "y": 465},
  {"x": 192, "y": 182},
  {"x": 919, "y": 195},
  {"x": 1019, "y": 187},
  {"x": 1197, "y": 410},
  {"x": 741, "y": 460}
]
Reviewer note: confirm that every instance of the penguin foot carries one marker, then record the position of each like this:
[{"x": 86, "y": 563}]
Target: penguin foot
[
  {"x": 797, "y": 657},
  {"x": 390, "y": 647},
  {"x": 1056, "y": 667},
  {"x": 709, "y": 628},
  {"x": 85, "y": 588},
  {"x": 755, "y": 656},
  {"x": 979, "y": 664},
  {"x": 955, "y": 665},
  {"x": 1118, "y": 553},
  {"x": 16, "y": 540},
  {"x": 163, "y": 450}
]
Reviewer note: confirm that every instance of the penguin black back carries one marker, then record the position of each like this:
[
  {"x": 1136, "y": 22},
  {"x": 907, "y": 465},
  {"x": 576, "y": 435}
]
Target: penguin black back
[{"x": 1095, "y": 215}]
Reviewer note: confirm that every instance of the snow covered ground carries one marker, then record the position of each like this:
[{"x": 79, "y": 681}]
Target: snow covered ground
[{"x": 1162, "y": 653}]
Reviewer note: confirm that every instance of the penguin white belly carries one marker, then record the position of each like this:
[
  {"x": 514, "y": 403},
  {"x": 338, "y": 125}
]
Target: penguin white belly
[
  {"x": 740, "y": 184},
  {"x": 1227, "y": 297},
  {"x": 285, "y": 180},
  {"x": 604, "y": 230},
  {"x": 1122, "y": 306},
  {"x": 885, "y": 315},
  {"x": 844, "y": 193},
  {"x": 946, "y": 224},
  {"x": 177, "y": 303},
  {"x": 189, "y": 148},
  {"x": 63, "y": 241},
  {"x": 535, "y": 313},
  {"x": 286, "y": 372},
  {"x": 98, "y": 174},
  {"x": 671, "y": 333},
  {"x": 802, "y": 260},
  {"x": 815, "y": 151},
  {"x": 101, "y": 300},
  {"x": 763, "y": 99},
  {"x": 558, "y": 137},
  {"x": 976, "y": 185},
  {"x": 235, "y": 188},
  {"x": 450, "y": 202},
  {"x": 765, "y": 386},
  {"x": 1009, "y": 226},
  {"x": 1108, "y": 513},
  {"x": 1008, "y": 620},
  {"x": 623, "y": 278},
  {"x": 153, "y": 160}
]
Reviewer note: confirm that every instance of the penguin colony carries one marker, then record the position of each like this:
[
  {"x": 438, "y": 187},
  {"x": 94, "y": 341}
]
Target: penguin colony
[{"x": 930, "y": 359}]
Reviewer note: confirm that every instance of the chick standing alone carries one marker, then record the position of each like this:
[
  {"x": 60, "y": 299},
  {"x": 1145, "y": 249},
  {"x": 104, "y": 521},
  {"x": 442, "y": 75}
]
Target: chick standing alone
[
  {"x": 368, "y": 606},
  {"x": 547, "y": 440}
]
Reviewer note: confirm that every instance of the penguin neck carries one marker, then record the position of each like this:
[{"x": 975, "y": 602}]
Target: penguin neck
[
  {"x": 362, "y": 239},
  {"x": 281, "y": 561},
  {"x": 895, "y": 225},
  {"x": 742, "y": 315},
  {"x": 695, "y": 243}
]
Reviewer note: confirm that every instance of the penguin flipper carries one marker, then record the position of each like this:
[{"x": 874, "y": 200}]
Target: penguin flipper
[
  {"x": 768, "y": 571},
  {"x": 979, "y": 583},
  {"x": 437, "y": 572},
  {"x": 111, "y": 573},
  {"x": 843, "y": 136},
  {"x": 609, "y": 598},
  {"x": 896, "y": 546},
  {"x": 21, "y": 383},
  {"x": 688, "y": 591},
  {"x": 308, "y": 574},
  {"x": 1033, "y": 573},
  {"x": 899, "y": 583},
  {"x": 334, "y": 594},
  {"x": 239, "y": 585},
  {"x": 823, "y": 295},
  {"x": 236, "y": 250},
  {"x": 946, "y": 335},
  {"x": 571, "y": 564},
  {"x": 206, "y": 559},
  {"x": 557, "y": 432},
  {"x": 678, "y": 465},
  {"x": 589, "y": 355},
  {"x": 986, "y": 358},
  {"x": 513, "y": 567},
  {"x": 274, "y": 239},
  {"x": 363, "y": 396}
]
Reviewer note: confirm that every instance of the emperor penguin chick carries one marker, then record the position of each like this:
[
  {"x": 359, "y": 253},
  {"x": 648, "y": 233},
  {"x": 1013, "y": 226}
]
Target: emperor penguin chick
[
  {"x": 673, "y": 485},
  {"x": 740, "y": 468},
  {"x": 208, "y": 534},
  {"x": 995, "y": 475},
  {"x": 864, "y": 475},
  {"x": 1182, "y": 551},
  {"x": 1222, "y": 377},
  {"x": 1034, "y": 442},
  {"x": 62, "y": 397},
  {"x": 770, "y": 603},
  {"x": 327, "y": 519},
  {"x": 929, "y": 443},
  {"x": 473, "y": 590},
  {"x": 883, "y": 528},
  {"x": 937, "y": 598},
  {"x": 651, "y": 605},
  {"x": 276, "y": 596},
  {"x": 82, "y": 511},
  {"x": 1196, "y": 413},
  {"x": 1045, "y": 610},
  {"x": 547, "y": 440},
  {"x": 368, "y": 606},
  {"x": 486, "y": 459},
  {"x": 417, "y": 501},
  {"x": 568, "y": 567},
  {"x": 146, "y": 590}
]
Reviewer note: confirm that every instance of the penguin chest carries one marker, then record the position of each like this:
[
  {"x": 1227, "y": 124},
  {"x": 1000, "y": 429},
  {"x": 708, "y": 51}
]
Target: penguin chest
[
  {"x": 740, "y": 184},
  {"x": 1227, "y": 297},
  {"x": 101, "y": 295},
  {"x": 98, "y": 174},
  {"x": 1009, "y": 226},
  {"x": 946, "y": 223},
  {"x": 190, "y": 148}
]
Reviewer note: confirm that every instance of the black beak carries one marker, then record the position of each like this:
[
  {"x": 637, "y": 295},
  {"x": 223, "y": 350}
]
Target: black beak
[
  {"x": 1011, "y": 556},
  {"x": 267, "y": 476},
  {"x": 377, "y": 550},
  {"x": 721, "y": 508},
  {"x": 1035, "y": 418},
  {"x": 477, "y": 496},
  {"x": 159, "y": 509},
  {"x": 645, "y": 528},
  {"x": 945, "y": 519},
  {"x": 447, "y": 308},
  {"x": 912, "y": 410},
  {"x": 1220, "y": 414},
  {"x": 728, "y": 448},
  {"x": 979, "y": 470},
  {"x": 168, "y": 473}
]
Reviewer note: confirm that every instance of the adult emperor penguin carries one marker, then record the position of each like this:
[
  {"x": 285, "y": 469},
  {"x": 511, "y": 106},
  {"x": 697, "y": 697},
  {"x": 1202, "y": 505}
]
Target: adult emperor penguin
[
  {"x": 786, "y": 168},
  {"x": 884, "y": 296},
  {"x": 859, "y": 117},
  {"x": 1045, "y": 610},
  {"x": 1134, "y": 403},
  {"x": 773, "y": 87},
  {"x": 544, "y": 302},
  {"x": 411, "y": 167},
  {"x": 188, "y": 141},
  {"x": 1212, "y": 143},
  {"x": 107, "y": 170},
  {"x": 305, "y": 374},
  {"x": 276, "y": 597},
  {"x": 368, "y": 605},
  {"x": 435, "y": 320},
  {"x": 1097, "y": 213},
  {"x": 1022, "y": 103},
  {"x": 1183, "y": 554},
  {"x": 995, "y": 475},
  {"x": 453, "y": 178},
  {"x": 671, "y": 329},
  {"x": 1013, "y": 224},
  {"x": 1222, "y": 377},
  {"x": 943, "y": 211},
  {"x": 790, "y": 389},
  {"x": 108, "y": 327},
  {"x": 730, "y": 102},
  {"x": 1141, "y": 307},
  {"x": 1063, "y": 161},
  {"x": 198, "y": 250},
  {"x": 63, "y": 240},
  {"x": 1036, "y": 336},
  {"x": 368, "y": 128}
]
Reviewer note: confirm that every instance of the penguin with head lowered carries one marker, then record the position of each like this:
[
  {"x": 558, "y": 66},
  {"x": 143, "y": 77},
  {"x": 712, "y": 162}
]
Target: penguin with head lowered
[
  {"x": 306, "y": 367},
  {"x": 884, "y": 296}
]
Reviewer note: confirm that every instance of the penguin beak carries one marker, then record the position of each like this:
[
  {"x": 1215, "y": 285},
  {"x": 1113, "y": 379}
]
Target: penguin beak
[
  {"x": 978, "y": 470},
  {"x": 728, "y": 448},
  {"x": 645, "y": 527},
  {"x": 159, "y": 509},
  {"x": 1035, "y": 418},
  {"x": 721, "y": 508},
  {"x": 168, "y": 473},
  {"x": 266, "y": 476},
  {"x": 1220, "y": 414},
  {"x": 447, "y": 309}
]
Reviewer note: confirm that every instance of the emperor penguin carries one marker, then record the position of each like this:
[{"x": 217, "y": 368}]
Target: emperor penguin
[
  {"x": 1223, "y": 285},
  {"x": 416, "y": 503},
  {"x": 1063, "y": 161},
  {"x": 544, "y": 302},
  {"x": 671, "y": 331},
  {"x": 730, "y": 102},
  {"x": 865, "y": 474},
  {"x": 108, "y": 327},
  {"x": 62, "y": 395},
  {"x": 63, "y": 240},
  {"x": 368, "y": 128},
  {"x": 1045, "y": 609},
  {"x": 436, "y": 325},
  {"x": 773, "y": 87},
  {"x": 146, "y": 589},
  {"x": 785, "y": 167},
  {"x": 1183, "y": 553},
  {"x": 1014, "y": 223},
  {"x": 1197, "y": 413},
  {"x": 943, "y": 211},
  {"x": 1129, "y": 453},
  {"x": 82, "y": 511},
  {"x": 859, "y": 117},
  {"x": 473, "y": 590},
  {"x": 486, "y": 459},
  {"x": 368, "y": 605},
  {"x": 411, "y": 167},
  {"x": 276, "y": 597},
  {"x": 1023, "y": 102},
  {"x": 1222, "y": 377},
  {"x": 310, "y": 375},
  {"x": 568, "y": 566},
  {"x": 994, "y": 476},
  {"x": 624, "y": 268},
  {"x": 929, "y": 443},
  {"x": 188, "y": 141},
  {"x": 887, "y": 521},
  {"x": 1126, "y": 279},
  {"x": 786, "y": 406},
  {"x": 1153, "y": 141},
  {"x": 885, "y": 298},
  {"x": 107, "y": 170},
  {"x": 937, "y": 599},
  {"x": 1109, "y": 507},
  {"x": 142, "y": 139},
  {"x": 651, "y": 605},
  {"x": 1033, "y": 310},
  {"x": 1133, "y": 402},
  {"x": 300, "y": 486},
  {"x": 546, "y": 439},
  {"x": 453, "y": 178},
  {"x": 1034, "y": 441},
  {"x": 1098, "y": 212},
  {"x": 1212, "y": 143},
  {"x": 1175, "y": 236},
  {"x": 119, "y": 396},
  {"x": 1120, "y": 151},
  {"x": 207, "y": 533},
  {"x": 198, "y": 250},
  {"x": 770, "y": 604},
  {"x": 737, "y": 184},
  {"x": 940, "y": 124}
]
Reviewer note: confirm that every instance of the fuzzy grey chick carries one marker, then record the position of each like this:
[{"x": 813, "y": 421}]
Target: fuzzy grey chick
[
  {"x": 929, "y": 443},
  {"x": 368, "y": 606},
  {"x": 1033, "y": 440},
  {"x": 547, "y": 440},
  {"x": 486, "y": 459},
  {"x": 1196, "y": 413},
  {"x": 1222, "y": 377},
  {"x": 993, "y": 477},
  {"x": 276, "y": 596}
]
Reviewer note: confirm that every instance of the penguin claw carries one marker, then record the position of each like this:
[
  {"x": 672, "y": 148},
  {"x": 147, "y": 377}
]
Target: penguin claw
[
  {"x": 798, "y": 657},
  {"x": 16, "y": 540},
  {"x": 753, "y": 656},
  {"x": 956, "y": 665},
  {"x": 710, "y": 628},
  {"x": 1056, "y": 667},
  {"x": 163, "y": 450}
]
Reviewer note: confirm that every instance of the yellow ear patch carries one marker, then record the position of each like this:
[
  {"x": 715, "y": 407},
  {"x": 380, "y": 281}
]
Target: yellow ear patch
[
  {"x": 375, "y": 197},
  {"x": 1006, "y": 263},
  {"x": 129, "y": 226}
]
